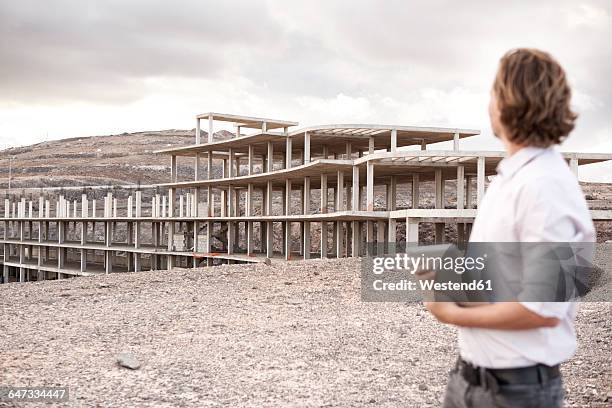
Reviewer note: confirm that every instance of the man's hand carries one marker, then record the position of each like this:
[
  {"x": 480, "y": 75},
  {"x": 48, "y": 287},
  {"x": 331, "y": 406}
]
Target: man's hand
[{"x": 502, "y": 316}]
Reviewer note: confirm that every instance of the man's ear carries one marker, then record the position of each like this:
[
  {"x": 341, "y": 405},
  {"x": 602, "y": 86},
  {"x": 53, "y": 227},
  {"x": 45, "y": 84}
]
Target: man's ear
[{"x": 494, "y": 115}]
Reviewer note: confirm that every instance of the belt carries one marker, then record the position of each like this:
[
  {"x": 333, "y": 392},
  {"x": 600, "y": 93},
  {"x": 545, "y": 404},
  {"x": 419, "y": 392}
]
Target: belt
[{"x": 494, "y": 377}]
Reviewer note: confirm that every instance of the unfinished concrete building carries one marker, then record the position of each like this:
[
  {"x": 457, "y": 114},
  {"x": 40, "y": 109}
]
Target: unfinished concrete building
[{"x": 269, "y": 193}]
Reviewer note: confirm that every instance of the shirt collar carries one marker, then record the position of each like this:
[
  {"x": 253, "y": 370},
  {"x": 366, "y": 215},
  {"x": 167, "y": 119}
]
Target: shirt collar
[{"x": 511, "y": 164}]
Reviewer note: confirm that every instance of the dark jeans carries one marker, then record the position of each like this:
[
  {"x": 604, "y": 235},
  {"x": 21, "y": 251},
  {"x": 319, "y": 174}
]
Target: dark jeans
[{"x": 461, "y": 394}]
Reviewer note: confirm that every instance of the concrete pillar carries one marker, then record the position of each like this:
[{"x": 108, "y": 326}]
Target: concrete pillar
[
  {"x": 355, "y": 241},
  {"x": 83, "y": 259},
  {"x": 439, "y": 232},
  {"x": 269, "y": 239},
  {"x": 40, "y": 274},
  {"x": 287, "y": 200},
  {"x": 41, "y": 206},
  {"x": 251, "y": 159},
  {"x": 324, "y": 193},
  {"x": 393, "y": 140},
  {"x": 370, "y": 239},
  {"x": 392, "y": 194},
  {"x": 210, "y": 212},
  {"x": 355, "y": 199},
  {"x": 412, "y": 231},
  {"x": 306, "y": 196},
  {"x": 270, "y": 157},
  {"x": 231, "y": 163},
  {"x": 480, "y": 179},
  {"x": 301, "y": 237},
  {"x": 230, "y": 237},
  {"x": 439, "y": 189},
  {"x": 197, "y": 132},
  {"x": 306, "y": 147},
  {"x": 339, "y": 239},
  {"x": 130, "y": 206},
  {"x": 460, "y": 233},
  {"x": 392, "y": 235},
  {"x": 84, "y": 205},
  {"x": 231, "y": 201},
  {"x": 197, "y": 167},
  {"x": 573, "y": 163},
  {"x": 171, "y": 236},
  {"x": 108, "y": 205},
  {"x": 340, "y": 191},
  {"x": 249, "y": 237},
  {"x": 209, "y": 165},
  {"x": 306, "y": 239},
  {"x": 380, "y": 237},
  {"x": 469, "y": 192},
  {"x": 209, "y": 228},
  {"x": 370, "y": 186},
  {"x": 288, "y": 153},
  {"x": 439, "y": 192},
  {"x": 287, "y": 240},
  {"x": 108, "y": 233},
  {"x": 223, "y": 203},
  {"x": 173, "y": 169},
  {"x": 324, "y": 238},
  {"x": 83, "y": 233},
  {"x": 460, "y": 187},
  {"x": 456, "y": 142},
  {"x": 210, "y": 129},
  {"x": 61, "y": 232},
  {"x": 268, "y": 198},
  {"x": 138, "y": 203}
]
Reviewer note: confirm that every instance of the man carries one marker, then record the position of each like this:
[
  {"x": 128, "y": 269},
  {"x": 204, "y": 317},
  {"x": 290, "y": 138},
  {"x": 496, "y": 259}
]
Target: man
[{"x": 510, "y": 351}]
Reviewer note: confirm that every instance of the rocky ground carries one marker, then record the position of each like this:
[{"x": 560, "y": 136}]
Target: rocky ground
[{"x": 286, "y": 335}]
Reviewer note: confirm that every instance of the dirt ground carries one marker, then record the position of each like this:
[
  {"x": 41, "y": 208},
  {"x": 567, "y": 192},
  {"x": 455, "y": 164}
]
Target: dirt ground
[{"x": 285, "y": 335}]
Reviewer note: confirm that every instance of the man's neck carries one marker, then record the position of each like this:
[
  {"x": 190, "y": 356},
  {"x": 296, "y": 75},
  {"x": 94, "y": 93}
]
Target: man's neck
[{"x": 510, "y": 147}]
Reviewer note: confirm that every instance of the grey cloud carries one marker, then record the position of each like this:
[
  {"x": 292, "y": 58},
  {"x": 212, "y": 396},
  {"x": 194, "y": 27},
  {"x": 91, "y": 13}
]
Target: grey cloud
[{"x": 100, "y": 49}]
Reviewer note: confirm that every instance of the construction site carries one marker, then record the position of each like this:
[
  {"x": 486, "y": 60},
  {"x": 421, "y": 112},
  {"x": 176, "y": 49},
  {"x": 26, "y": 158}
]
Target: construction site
[{"x": 271, "y": 192}]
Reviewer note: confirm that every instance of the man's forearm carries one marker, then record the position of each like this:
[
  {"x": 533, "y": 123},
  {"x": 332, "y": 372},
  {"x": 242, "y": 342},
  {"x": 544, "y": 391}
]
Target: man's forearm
[{"x": 503, "y": 316}]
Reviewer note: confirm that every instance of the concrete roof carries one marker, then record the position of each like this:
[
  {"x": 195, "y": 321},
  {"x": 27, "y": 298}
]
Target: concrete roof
[
  {"x": 367, "y": 130},
  {"x": 333, "y": 136},
  {"x": 248, "y": 121}
]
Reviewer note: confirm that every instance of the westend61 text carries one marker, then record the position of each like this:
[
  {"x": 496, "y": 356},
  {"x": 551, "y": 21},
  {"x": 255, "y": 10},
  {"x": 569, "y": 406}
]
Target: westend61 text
[{"x": 429, "y": 285}]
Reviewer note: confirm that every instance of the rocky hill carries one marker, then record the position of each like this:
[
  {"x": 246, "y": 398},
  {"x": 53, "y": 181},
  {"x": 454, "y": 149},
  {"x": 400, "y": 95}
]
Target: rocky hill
[{"x": 126, "y": 158}]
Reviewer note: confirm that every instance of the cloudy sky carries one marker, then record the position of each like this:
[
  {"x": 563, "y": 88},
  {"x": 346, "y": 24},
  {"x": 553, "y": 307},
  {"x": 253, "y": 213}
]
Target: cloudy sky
[{"x": 76, "y": 68}]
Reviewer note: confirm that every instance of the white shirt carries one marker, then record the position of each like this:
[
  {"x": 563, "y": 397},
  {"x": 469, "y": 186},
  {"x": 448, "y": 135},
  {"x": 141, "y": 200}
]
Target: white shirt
[{"x": 534, "y": 198}]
